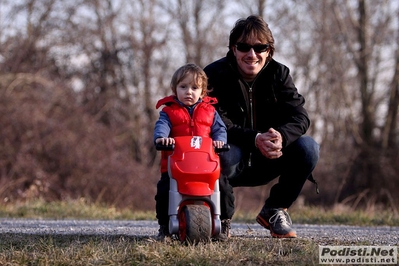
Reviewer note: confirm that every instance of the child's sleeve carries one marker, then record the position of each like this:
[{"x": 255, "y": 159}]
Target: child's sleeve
[
  {"x": 162, "y": 126},
  {"x": 218, "y": 130}
]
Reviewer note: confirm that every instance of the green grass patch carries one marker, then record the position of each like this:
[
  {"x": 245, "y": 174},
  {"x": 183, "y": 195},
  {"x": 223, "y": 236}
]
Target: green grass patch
[
  {"x": 71, "y": 209},
  {"x": 81, "y": 209},
  {"x": 337, "y": 215}
]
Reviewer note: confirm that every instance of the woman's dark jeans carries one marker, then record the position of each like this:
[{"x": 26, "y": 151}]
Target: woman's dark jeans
[{"x": 294, "y": 168}]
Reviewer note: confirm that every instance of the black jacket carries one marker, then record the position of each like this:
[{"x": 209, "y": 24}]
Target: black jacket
[{"x": 276, "y": 102}]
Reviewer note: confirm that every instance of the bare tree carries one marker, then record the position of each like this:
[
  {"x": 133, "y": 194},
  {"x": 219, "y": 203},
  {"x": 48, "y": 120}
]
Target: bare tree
[
  {"x": 199, "y": 23},
  {"x": 80, "y": 79},
  {"x": 390, "y": 131},
  {"x": 55, "y": 146}
]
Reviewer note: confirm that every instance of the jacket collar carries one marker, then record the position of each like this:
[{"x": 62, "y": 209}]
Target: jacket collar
[{"x": 173, "y": 98}]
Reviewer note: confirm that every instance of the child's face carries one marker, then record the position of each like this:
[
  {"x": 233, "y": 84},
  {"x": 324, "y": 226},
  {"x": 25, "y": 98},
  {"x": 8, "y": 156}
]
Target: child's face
[{"x": 188, "y": 92}]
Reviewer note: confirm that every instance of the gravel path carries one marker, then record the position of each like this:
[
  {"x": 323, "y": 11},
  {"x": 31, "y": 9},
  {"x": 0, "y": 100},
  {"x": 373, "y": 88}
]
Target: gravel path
[{"x": 380, "y": 235}]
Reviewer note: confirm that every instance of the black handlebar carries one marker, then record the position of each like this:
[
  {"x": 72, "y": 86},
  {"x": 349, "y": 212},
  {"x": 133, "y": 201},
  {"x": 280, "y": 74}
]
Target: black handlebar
[
  {"x": 225, "y": 147},
  {"x": 171, "y": 147},
  {"x": 163, "y": 147}
]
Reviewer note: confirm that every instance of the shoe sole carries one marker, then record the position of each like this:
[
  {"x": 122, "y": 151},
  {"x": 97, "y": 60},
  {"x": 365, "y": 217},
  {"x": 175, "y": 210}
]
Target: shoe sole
[{"x": 266, "y": 225}]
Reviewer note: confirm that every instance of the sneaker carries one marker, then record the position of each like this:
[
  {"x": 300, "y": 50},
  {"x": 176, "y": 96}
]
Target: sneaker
[
  {"x": 277, "y": 221},
  {"x": 225, "y": 231},
  {"x": 163, "y": 234}
]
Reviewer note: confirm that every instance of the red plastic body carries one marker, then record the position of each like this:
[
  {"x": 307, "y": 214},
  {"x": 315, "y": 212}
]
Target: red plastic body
[{"x": 194, "y": 165}]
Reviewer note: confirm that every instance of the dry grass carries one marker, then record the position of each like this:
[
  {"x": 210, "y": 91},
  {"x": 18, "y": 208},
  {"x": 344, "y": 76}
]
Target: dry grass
[
  {"x": 122, "y": 250},
  {"x": 79, "y": 250}
]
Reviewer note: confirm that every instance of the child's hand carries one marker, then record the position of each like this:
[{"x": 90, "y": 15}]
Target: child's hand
[
  {"x": 218, "y": 143},
  {"x": 165, "y": 141}
]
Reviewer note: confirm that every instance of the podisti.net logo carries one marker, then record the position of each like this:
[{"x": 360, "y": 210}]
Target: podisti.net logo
[{"x": 358, "y": 255}]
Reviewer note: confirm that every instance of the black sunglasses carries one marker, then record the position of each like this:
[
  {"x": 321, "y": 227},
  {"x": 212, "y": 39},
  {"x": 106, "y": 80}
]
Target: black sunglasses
[{"x": 258, "y": 48}]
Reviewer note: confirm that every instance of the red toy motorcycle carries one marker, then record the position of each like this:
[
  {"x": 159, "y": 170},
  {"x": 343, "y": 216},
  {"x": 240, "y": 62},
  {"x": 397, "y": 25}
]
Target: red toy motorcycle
[{"x": 194, "y": 196}]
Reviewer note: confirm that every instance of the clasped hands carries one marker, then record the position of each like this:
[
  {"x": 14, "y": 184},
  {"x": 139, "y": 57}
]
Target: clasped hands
[{"x": 270, "y": 143}]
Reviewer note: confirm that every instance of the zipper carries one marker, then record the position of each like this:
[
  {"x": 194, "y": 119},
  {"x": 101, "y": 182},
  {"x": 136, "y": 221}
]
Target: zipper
[
  {"x": 191, "y": 117},
  {"x": 250, "y": 90},
  {"x": 252, "y": 119},
  {"x": 251, "y": 106},
  {"x": 251, "y": 109}
]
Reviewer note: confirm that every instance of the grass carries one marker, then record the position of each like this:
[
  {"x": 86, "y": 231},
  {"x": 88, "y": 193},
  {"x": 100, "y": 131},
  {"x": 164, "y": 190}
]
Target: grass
[
  {"x": 71, "y": 209},
  {"x": 18, "y": 249},
  {"x": 77, "y": 250},
  {"x": 81, "y": 209}
]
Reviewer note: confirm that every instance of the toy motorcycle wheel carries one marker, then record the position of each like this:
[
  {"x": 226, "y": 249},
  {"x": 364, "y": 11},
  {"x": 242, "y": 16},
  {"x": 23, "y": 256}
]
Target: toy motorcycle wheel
[{"x": 195, "y": 224}]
